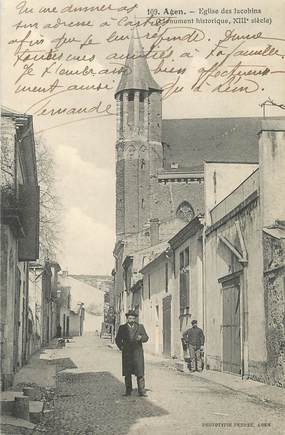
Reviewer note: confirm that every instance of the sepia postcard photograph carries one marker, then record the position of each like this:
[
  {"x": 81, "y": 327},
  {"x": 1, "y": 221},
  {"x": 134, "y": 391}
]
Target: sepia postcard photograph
[{"x": 142, "y": 217}]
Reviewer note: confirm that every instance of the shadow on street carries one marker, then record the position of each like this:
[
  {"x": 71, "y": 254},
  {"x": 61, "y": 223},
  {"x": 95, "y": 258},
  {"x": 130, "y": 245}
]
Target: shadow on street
[{"x": 92, "y": 403}]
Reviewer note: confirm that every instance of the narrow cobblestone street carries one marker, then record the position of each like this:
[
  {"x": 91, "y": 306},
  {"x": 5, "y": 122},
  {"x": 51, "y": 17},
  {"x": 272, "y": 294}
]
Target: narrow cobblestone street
[{"x": 89, "y": 400}]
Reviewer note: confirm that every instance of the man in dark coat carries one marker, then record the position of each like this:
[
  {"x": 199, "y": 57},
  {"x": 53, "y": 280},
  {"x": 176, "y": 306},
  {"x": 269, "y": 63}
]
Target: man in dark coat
[
  {"x": 129, "y": 340},
  {"x": 194, "y": 338}
]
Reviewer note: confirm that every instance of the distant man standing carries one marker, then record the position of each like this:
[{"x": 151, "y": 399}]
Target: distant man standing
[
  {"x": 129, "y": 340},
  {"x": 194, "y": 337}
]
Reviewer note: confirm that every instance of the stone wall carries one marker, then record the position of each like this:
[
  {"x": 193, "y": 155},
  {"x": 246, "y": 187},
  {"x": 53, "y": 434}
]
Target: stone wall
[
  {"x": 272, "y": 169},
  {"x": 14, "y": 309},
  {"x": 274, "y": 288},
  {"x": 154, "y": 110}
]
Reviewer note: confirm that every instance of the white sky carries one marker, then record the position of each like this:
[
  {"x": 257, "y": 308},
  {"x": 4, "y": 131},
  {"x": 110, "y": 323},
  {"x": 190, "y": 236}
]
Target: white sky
[{"x": 85, "y": 150}]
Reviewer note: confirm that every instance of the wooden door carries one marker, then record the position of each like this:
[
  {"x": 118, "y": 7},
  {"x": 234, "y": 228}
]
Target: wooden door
[
  {"x": 231, "y": 328},
  {"x": 166, "y": 308}
]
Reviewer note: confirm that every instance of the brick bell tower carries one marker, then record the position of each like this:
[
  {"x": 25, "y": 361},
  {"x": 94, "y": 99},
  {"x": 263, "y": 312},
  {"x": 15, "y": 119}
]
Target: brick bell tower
[{"x": 138, "y": 145}]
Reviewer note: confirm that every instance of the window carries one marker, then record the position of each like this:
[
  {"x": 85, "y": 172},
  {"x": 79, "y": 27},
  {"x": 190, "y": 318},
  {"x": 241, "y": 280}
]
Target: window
[
  {"x": 186, "y": 257},
  {"x": 141, "y": 107},
  {"x": 130, "y": 107},
  {"x": 130, "y": 151},
  {"x": 131, "y": 96},
  {"x": 181, "y": 262},
  {"x": 185, "y": 211},
  {"x": 184, "y": 286}
]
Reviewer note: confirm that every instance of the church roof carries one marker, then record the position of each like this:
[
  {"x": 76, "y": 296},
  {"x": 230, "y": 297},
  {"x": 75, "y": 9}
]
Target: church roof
[
  {"x": 137, "y": 74},
  {"x": 190, "y": 142}
]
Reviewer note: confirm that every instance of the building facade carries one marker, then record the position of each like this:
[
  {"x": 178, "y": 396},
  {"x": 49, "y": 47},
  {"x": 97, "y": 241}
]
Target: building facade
[
  {"x": 19, "y": 236},
  {"x": 244, "y": 261},
  {"x": 155, "y": 309},
  {"x": 35, "y": 306},
  {"x": 88, "y": 290},
  {"x": 49, "y": 300},
  {"x": 63, "y": 306},
  {"x": 181, "y": 252},
  {"x": 145, "y": 200},
  {"x": 77, "y": 315},
  {"x": 159, "y": 165}
]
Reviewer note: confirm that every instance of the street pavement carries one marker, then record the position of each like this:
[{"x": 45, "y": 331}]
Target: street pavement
[{"x": 88, "y": 400}]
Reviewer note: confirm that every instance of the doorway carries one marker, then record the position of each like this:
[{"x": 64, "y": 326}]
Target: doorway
[{"x": 231, "y": 326}]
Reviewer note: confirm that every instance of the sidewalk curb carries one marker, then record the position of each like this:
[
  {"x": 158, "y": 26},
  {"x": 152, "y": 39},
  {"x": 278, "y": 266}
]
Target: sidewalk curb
[
  {"x": 8, "y": 420},
  {"x": 262, "y": 396}
]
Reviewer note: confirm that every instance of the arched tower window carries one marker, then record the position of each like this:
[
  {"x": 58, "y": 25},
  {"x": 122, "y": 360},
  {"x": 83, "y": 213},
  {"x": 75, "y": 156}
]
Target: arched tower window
[
  {"x": 130, "y": 152},
  {"x": 185, "y": 211},
  {"x": 131, "y": 97},
  {"x": 141, "y": 106}
]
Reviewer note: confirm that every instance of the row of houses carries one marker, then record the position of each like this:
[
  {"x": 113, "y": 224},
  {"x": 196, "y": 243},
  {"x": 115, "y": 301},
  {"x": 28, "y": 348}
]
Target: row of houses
[
  {"x": 225, "y": 268},
  {"x": 54, "y": 311},
  {"x": 19, "y": 237},
  {"x": 200, "y": 226},
  {"x": 92, "y": 291},
  {"x": 35, "y": 308}
]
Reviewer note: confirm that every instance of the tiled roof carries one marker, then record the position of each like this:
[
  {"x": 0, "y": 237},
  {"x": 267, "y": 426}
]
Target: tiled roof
[
  {"x": 137, "y": 74},
  {"x": 189, "y": 142},
  {"x": 186, "y": 232},
  {"x": 8, "y": 111},
  {"x": 146, "y": 256}
]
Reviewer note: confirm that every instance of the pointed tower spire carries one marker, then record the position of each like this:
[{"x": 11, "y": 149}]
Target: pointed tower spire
[{"x": 137, "y": 74}]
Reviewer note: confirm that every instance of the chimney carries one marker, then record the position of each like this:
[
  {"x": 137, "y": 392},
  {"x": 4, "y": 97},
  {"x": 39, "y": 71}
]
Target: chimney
[
  {"x": 272, "y": 170},
  {"x": 154, "y": 231}
]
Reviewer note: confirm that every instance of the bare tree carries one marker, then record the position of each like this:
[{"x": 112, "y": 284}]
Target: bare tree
[
  {"x": 50, "y": 204},
  {"x": 7, "y": 174}
]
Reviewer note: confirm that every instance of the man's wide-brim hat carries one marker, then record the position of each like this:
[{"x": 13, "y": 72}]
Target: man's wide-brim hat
[
  {"x": 131, "y": 313},
  {"x": 194, "y": 322}
]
